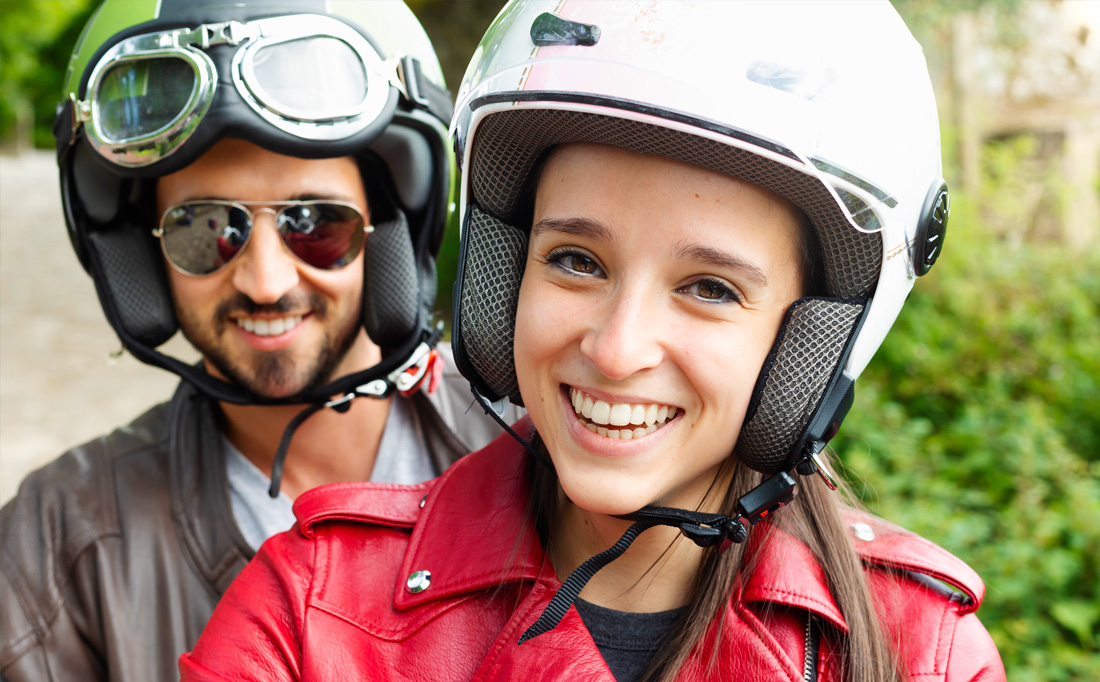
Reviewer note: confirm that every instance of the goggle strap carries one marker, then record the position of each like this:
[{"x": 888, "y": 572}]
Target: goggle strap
[{"x": 421, "y": 92}]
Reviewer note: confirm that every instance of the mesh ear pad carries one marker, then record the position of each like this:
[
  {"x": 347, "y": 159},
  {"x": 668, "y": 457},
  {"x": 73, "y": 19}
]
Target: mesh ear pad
[
  {"x": 485, "y": 325},
  {"x": 132, "y": 285},
  {"x": 792, "y": 382},
  {"x": 391, "y": 292}
]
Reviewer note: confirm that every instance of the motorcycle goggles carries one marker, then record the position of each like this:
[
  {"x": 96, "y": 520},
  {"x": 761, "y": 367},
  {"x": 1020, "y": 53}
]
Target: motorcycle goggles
[
  {"x": 311, "y": 76},
  {"x": 203, "y": 236}
]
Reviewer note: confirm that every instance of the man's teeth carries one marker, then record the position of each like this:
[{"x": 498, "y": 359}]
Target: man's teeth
[
  {"x": 638, "y": 419},
  {"x": 268, "y": 327}
]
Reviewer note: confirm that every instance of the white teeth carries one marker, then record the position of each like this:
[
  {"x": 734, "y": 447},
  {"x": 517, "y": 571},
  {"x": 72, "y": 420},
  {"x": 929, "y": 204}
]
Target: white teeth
[
  {"x": 619, "y": 414},
  {"x": 643, "y": 418},
  {"x": 601, "y": 412},
  {"x": 267, "y": 327}
]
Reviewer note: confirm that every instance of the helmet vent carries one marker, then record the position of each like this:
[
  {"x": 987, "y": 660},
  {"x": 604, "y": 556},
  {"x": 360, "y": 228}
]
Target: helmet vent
[{"x": 792, "y": 383}]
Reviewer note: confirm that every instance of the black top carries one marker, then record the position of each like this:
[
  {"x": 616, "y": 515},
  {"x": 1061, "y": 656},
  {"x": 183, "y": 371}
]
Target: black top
[{"x": 627, "y": 641}]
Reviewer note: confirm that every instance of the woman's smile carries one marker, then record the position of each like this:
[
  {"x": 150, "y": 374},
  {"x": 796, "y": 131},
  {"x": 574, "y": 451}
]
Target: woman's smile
[{"x": 619, "y": 420}]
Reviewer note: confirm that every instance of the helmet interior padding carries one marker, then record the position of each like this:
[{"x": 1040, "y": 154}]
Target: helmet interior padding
[
  {"x": 510, "y": 143},
  {"x": 391, "y": 292},
  {"x": 487, "y": 291},
  {"x": 807, "y": 353},
  {"x": 132, "y": 282}
]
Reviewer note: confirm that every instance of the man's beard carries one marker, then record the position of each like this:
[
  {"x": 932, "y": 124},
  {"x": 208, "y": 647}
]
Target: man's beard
[{"x": 273, "y": 374}]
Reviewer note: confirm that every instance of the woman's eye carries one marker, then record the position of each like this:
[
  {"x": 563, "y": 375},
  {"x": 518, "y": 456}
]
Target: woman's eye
[
  {"x": 712, "y": 291},
  {"x": 575, "y": 263}
]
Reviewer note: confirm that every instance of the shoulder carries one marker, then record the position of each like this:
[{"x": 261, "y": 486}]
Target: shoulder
[
  {"x": 919, "y": 587},
  {"x": 64, "y": 509},
  {"x": 74, "y": 493}
]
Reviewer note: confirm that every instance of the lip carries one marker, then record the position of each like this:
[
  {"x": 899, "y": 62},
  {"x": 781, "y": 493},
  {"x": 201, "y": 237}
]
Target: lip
[
  {"x": 271, "y": 343},
  {"x": 610, "y": 447}
]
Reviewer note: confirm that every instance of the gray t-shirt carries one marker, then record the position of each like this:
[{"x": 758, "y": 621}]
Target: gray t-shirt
[{"x": 403, "y": 457}]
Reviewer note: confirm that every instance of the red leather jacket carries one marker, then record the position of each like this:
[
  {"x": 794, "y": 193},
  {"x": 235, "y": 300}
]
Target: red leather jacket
[{"x": 329, "y": 600}]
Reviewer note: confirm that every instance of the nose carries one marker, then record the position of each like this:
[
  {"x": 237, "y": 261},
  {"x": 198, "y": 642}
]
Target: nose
[
  {"x": 265, "y": 271},
  {"x": 627, "y": 335}
]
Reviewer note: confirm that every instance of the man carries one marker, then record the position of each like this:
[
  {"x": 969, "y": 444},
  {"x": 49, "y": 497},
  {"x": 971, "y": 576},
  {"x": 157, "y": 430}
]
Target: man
[{"x": 272, "y": 178}]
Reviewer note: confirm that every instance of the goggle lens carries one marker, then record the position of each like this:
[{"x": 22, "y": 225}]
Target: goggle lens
[
  {"x": 201, "y": 237},
  {"x": 312, "y": 78},
  {"x": 140, "y": 97}
]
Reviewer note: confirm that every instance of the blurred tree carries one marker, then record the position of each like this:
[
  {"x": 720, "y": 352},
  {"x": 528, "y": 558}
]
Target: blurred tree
[
  {"x": 455, "y": 27},
  {"x": 38, "y": 37}
]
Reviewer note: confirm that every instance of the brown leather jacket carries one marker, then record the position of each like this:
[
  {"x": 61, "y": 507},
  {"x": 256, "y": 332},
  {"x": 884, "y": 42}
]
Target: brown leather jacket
[{"x": 113, "y": 557}]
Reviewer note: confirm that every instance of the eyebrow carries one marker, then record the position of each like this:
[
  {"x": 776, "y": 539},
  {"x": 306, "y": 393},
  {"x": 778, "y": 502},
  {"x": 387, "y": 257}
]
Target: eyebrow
[
  {"x": 719, "y": 258},
  {"x": 578, "y": 227}
]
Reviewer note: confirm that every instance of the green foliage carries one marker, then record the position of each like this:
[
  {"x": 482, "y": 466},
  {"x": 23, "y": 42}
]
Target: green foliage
[
  {"x": 38, "y": 38},
  {"x": 978, "y": 426}
]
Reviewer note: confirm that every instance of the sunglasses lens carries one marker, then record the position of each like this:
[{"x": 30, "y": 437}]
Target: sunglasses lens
[
  {"x": 323, "y": 235},
  {"x": 140, "y": 97},
  {"x": 312, "y": 78},
  {"x": 200, "y": 238}
]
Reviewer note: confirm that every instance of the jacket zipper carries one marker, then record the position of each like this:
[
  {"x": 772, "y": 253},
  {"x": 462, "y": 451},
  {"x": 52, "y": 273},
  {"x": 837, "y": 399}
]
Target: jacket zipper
[{"x": 813, "y": 642}]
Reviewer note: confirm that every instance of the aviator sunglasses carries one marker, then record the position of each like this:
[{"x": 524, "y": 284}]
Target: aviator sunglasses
[{"x": 201, "y": 237}]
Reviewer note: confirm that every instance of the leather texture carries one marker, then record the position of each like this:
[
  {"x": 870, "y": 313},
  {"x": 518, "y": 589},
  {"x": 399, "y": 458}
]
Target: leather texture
[
  {"x": 328, "y": 600},
  {"x": 113, "y": 557}
]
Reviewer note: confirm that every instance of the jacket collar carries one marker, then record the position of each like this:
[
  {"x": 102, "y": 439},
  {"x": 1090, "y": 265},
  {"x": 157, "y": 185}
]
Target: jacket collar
[
  {"x": 474, "y": 533},
  {"x": 200, "y": 490},
  {"x": 475, "y": 527}
]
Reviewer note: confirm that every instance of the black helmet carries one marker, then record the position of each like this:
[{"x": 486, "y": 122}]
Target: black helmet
[{"x": 153, "y": 84}]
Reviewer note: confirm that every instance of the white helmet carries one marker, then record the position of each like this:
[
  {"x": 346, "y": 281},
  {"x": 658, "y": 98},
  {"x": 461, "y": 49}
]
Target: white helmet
[{"x": 834, "y": 112}]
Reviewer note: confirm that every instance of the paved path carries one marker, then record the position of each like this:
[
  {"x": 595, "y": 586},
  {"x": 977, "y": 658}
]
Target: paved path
[{"x": 58, "y": 386}]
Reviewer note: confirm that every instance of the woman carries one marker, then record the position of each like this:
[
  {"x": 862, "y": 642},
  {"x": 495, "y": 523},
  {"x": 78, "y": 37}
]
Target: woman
[{"x": 687, "y": 226}]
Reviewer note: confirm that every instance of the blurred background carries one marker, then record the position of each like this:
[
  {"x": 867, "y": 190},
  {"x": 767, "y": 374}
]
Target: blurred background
[{"x": 977, "y": 424}]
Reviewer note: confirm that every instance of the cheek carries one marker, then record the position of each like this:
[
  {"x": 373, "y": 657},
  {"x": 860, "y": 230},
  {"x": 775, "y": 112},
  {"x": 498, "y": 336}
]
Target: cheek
[
  {"x": 542, "y": 330},
  {"x": 192, "y": 293}
]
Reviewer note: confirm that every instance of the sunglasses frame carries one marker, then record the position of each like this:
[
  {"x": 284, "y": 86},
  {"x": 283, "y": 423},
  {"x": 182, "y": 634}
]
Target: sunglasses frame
[
  {"x": 264, "y": 207},
  {"x": 189, "y": 45}
]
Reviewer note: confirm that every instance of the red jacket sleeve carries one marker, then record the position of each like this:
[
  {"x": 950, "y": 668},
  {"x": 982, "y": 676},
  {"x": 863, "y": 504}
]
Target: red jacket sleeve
[{"x": 256, "y": 630}]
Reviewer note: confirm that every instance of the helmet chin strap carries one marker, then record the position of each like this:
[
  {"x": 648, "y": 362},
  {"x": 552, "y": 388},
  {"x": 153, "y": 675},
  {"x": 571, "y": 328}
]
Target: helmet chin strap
[
  {"x": 703, "y": 528},
  {"x": 406, "y": 380}
]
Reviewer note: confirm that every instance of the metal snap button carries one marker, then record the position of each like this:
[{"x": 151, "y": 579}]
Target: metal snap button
[
  {"x": 418, "y": 581},
  {"x": 863, "y": 532}
]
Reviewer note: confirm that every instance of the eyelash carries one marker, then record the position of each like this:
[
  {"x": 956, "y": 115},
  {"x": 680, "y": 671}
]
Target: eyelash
[
  {"x": 556, "y": 258},
  {"x": 728, "y": 294}
]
